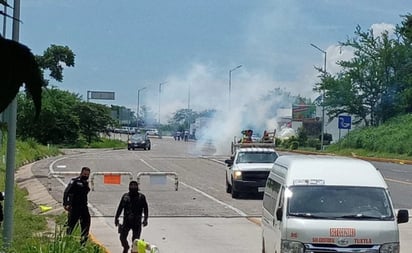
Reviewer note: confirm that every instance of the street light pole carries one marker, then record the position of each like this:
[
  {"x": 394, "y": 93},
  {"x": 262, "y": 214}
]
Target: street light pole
[
  {"x": 323, "y": 97},
  {"x": 188, "y": 108},
  {"x": 160, "y": 91},
  {"x": 230, "y": 82},
  {"x": 138, "y": 106}
]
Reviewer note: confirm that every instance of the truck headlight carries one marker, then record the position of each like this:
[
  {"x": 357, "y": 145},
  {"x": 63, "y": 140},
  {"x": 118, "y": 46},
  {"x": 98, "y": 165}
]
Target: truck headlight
[
  {"x": 237, "y": 175},
  {"x": 292, "y": 247},
  {"x": 389, "y": 248}
]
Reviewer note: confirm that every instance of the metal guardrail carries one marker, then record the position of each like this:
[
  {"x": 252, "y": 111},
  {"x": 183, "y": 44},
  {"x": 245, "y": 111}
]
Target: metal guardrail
[
  {"x": 158, "y": 173},
  {"x": 94, "y": 174},
  {"x": 114, "y": 173}
]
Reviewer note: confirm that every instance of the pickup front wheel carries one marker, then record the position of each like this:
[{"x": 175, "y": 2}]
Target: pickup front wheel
[
  {"x": 235, "y": 194},
  {"x": 228, "y": 187}
]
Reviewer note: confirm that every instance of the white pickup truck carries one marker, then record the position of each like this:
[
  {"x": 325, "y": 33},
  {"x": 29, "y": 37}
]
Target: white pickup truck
[{"x": 248, "y": 169}]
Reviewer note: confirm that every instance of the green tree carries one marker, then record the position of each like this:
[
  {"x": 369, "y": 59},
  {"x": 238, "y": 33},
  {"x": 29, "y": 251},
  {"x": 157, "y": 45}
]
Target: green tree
[
  {"x": 405, "y": 31},
  {"x": 54, "y": 59},
  {"x": 93, "y": 119},
  {"x": 182, "y": 119},
  {"x": 56, "y": 124},
  {"x": 370, "y": 85}
]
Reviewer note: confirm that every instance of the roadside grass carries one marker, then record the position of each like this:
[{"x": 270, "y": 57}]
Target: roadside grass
[
  {"x": 108, "y": 143},
  {"x": 391, "y": 140},
  {"x": 101, "y": 143},
  {"x": 31, "y": 232}
]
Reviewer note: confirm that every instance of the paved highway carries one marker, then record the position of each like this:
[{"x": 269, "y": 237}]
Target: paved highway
[{"x": 200, "y": 216}]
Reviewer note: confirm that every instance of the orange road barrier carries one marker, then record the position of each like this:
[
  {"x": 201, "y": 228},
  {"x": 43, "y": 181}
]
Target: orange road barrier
[{"x": 112, "y": 179}]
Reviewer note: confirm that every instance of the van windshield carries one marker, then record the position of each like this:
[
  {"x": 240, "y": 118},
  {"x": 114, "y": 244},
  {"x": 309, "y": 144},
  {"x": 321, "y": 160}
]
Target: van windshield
[{"x": 339, "y": 202}]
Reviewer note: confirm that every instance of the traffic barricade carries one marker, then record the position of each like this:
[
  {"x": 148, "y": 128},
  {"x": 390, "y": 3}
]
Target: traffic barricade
[
  {"x": 113, "y": 177},
  {"x": 158, "y": 177}
]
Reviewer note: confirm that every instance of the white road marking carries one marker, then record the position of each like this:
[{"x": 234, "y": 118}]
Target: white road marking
[{"x": 203, "y": 193}]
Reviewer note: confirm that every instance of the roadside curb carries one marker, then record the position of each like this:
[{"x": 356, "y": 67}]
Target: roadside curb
[{"x": 367, "y": 158}]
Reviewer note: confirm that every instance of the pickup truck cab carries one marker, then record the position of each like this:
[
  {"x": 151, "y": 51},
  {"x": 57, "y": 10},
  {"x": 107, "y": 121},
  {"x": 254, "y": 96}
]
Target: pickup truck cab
[{"x": 248, "y": 169}]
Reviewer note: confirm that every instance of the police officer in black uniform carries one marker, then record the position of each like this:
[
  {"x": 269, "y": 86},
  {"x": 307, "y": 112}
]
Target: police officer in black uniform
[
  {"x": 75, "y": 202},
  {"x": 133, "y": 204}
]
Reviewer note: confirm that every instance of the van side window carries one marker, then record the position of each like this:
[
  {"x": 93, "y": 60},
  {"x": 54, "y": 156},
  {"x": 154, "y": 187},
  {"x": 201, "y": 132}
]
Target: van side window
[
  {"x": 281, "y": 198},
  {"x": 270, "y": 197}
]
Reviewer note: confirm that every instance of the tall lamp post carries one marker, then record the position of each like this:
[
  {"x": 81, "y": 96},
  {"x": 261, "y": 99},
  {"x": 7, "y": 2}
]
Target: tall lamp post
[
  {"x": 160, "y": 91},
  {"x": 323, "y": 97},
  {"x": 138, "y": 106},
  {"x": 230, "y": 82}
]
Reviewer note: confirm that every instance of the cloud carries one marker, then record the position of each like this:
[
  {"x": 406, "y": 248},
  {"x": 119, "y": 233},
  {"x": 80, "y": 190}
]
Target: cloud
[{"x": 379, "y": 29}]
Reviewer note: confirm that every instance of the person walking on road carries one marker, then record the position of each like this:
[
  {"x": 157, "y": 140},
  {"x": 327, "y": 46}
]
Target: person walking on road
[
  {"x": 75, "y": 203},
  {"x": 133, "y": 204}
]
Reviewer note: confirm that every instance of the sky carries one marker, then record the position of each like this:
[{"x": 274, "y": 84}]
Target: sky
[{"x": 190, "y": 46}]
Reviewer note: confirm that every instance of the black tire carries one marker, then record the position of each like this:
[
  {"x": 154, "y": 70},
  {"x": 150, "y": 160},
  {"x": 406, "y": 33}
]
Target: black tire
[
  {"x": 235, "y": 194},
  {"x": 150, "y": 147},
  {"x": 263, "y": 246},
  {"x": 144, "y": 148},
  {"x": 228, "y": 187}
]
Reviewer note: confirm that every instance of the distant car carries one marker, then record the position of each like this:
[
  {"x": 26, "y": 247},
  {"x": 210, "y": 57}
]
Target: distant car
[
  {"x": 152, "y": 132},
  {"x": 139, "y": 141}
]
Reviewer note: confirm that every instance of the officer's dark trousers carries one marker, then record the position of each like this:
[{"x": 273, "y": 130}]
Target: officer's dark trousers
[
  {"x": 79, "y": 214},
  {"x": 135, "y": 226}
]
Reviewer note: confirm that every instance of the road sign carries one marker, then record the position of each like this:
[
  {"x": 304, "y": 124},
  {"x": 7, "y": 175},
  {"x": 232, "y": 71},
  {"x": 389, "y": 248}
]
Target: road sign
[
  {"x": 106, "y": 95},
  {"x": 344, "y": 122}
]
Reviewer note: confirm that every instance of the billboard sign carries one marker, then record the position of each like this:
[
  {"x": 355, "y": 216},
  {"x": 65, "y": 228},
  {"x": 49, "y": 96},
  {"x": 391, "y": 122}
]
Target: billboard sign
[{"x": 300, "y": 112}]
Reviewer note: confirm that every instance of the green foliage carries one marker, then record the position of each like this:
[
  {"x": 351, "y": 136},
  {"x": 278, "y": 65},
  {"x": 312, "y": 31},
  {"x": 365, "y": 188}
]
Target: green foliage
[
  {"x": 291, "y": 143},
  {"x": 183, "y": 118},
  {"x": 294, "y": 145},
  {"x": 59, "y": 242},
  {"x": 52, "y": 60},
  {"x": 56, "y": 124},
  {"x": 30, "y": 231},
  {"x": 64, "y": 119},
  {"x": 376, "y": 84},
  {"x": 93, "y": 119},
  {"x": 108, "y": 143},
  {"x": 302, "y": 136},
  {"x": 30, "y": 151},
  {"x": 313, "y": 143}
]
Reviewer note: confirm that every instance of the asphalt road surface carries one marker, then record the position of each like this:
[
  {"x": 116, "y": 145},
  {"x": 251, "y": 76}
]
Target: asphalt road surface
[{"x": 200, "y": 216}]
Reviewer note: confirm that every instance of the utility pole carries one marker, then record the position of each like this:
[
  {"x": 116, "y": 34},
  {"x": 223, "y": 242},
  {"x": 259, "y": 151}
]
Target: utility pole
[
  {"x": 160, "y": 91},
  {"x": 138, "y": 106},
  {"x": 11, "y": 148},
  {"x": 323, "y": 98},
  {"x": 230, "y": 83}
]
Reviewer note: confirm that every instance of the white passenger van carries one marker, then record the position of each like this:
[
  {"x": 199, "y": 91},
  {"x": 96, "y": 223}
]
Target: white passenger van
[{"x": 317, "y": 204}]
